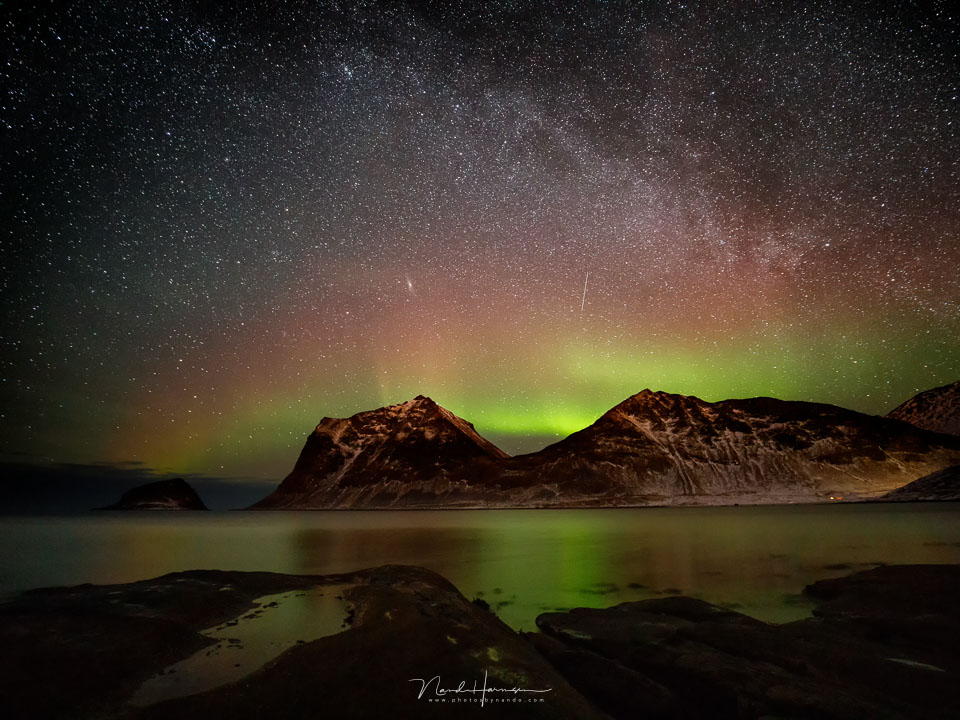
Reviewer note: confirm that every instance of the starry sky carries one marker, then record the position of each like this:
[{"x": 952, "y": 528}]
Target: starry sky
[{"x": 224, "y": 221}]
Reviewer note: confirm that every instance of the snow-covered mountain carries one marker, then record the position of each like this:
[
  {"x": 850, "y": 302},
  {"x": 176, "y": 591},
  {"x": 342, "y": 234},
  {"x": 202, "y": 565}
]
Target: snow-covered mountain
[
  {"x": 657, "y": 447},
  {"x": 937, "y": 409},
  {"x": 415, "y": 453},
  {"x": 653, "y": 448}
]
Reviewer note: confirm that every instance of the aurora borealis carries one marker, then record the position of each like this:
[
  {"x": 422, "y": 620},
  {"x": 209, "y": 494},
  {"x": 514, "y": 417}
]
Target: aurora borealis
[{"x": 222, "y": 223}]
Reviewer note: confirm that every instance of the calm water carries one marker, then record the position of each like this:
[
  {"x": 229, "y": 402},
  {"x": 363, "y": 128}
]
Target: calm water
[
  {"x": 523, "y": 562},
  {"x": 250, "y": 641}
]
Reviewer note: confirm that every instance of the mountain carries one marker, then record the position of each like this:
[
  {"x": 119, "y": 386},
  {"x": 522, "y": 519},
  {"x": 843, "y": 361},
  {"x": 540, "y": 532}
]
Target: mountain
[
  {"x": 660, "y": 448},
  {"x": 413, "y": 454},
  {"x": 161, "y": 495},
  {"x": 941, "y": 485},
  {"x": 937, "y": 410},
  {"x": 653, "y": 448}
]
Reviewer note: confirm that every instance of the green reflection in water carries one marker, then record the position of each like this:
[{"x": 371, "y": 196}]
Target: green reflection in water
[{"x": 755, "y": 559}]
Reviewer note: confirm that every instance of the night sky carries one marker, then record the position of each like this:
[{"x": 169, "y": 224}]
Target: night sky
[{"x": 221, "y": 222}]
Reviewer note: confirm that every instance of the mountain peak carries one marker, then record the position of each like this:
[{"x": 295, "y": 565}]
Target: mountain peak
[
  {"x": 419, "y": 401},
  {"x": 431, "y": 408},
  {"x": 648, "y": 394},
  {"x": 375, "y": 457},
  {"x": 647, "y": 400}
]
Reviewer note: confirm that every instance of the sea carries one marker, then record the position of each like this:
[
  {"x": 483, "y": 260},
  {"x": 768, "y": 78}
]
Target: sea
[{"x": 754, "y": 559}]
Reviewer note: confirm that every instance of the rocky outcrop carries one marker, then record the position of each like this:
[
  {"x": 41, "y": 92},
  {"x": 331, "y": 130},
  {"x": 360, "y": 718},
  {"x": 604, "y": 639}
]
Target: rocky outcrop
[
  {"x": 83, "y": 652},
  {"x": 882, "y": 645},
  {"x": 653, "y": 448},
  {"x": 937, "y": 410},
  {"x": 943, "y": 485},
  {"x": 161, "y": 495}
]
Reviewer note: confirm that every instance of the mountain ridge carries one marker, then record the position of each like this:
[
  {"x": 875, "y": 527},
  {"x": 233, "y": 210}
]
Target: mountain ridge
[{"x": 652, "y": 448}]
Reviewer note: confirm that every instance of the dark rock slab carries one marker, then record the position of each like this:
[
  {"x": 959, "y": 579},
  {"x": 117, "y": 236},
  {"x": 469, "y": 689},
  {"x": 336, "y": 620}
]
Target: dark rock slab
[
  {"x": 615, "y": 688},
  {"x": 409, "y": 623},
  {"x": 176, "y": 494},
  {"x": 911, "y": 607},
  {"x": 883, "y": 645},
  {"x": 83, "y": 652}
]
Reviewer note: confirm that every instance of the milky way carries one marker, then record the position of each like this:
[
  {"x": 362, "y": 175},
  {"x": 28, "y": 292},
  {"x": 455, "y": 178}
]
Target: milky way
[{"x": 220, "y": 225}]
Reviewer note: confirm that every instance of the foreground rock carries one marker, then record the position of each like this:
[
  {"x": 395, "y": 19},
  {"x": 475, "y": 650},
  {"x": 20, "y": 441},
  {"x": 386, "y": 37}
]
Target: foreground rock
[
  {"x": 161, "y": 495},
  {"x": 939, "y": 486},
  {"x": 885, "y": 644},
  {"x": 654, "y": 448},
  {"x": 83, "y": 652},
  {"x": 937, "y": 409}
]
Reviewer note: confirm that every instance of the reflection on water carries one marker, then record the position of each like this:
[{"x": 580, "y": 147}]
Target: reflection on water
[
  {"x": 248, "y": 642},
  {"x": 522, "y": 562}
]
